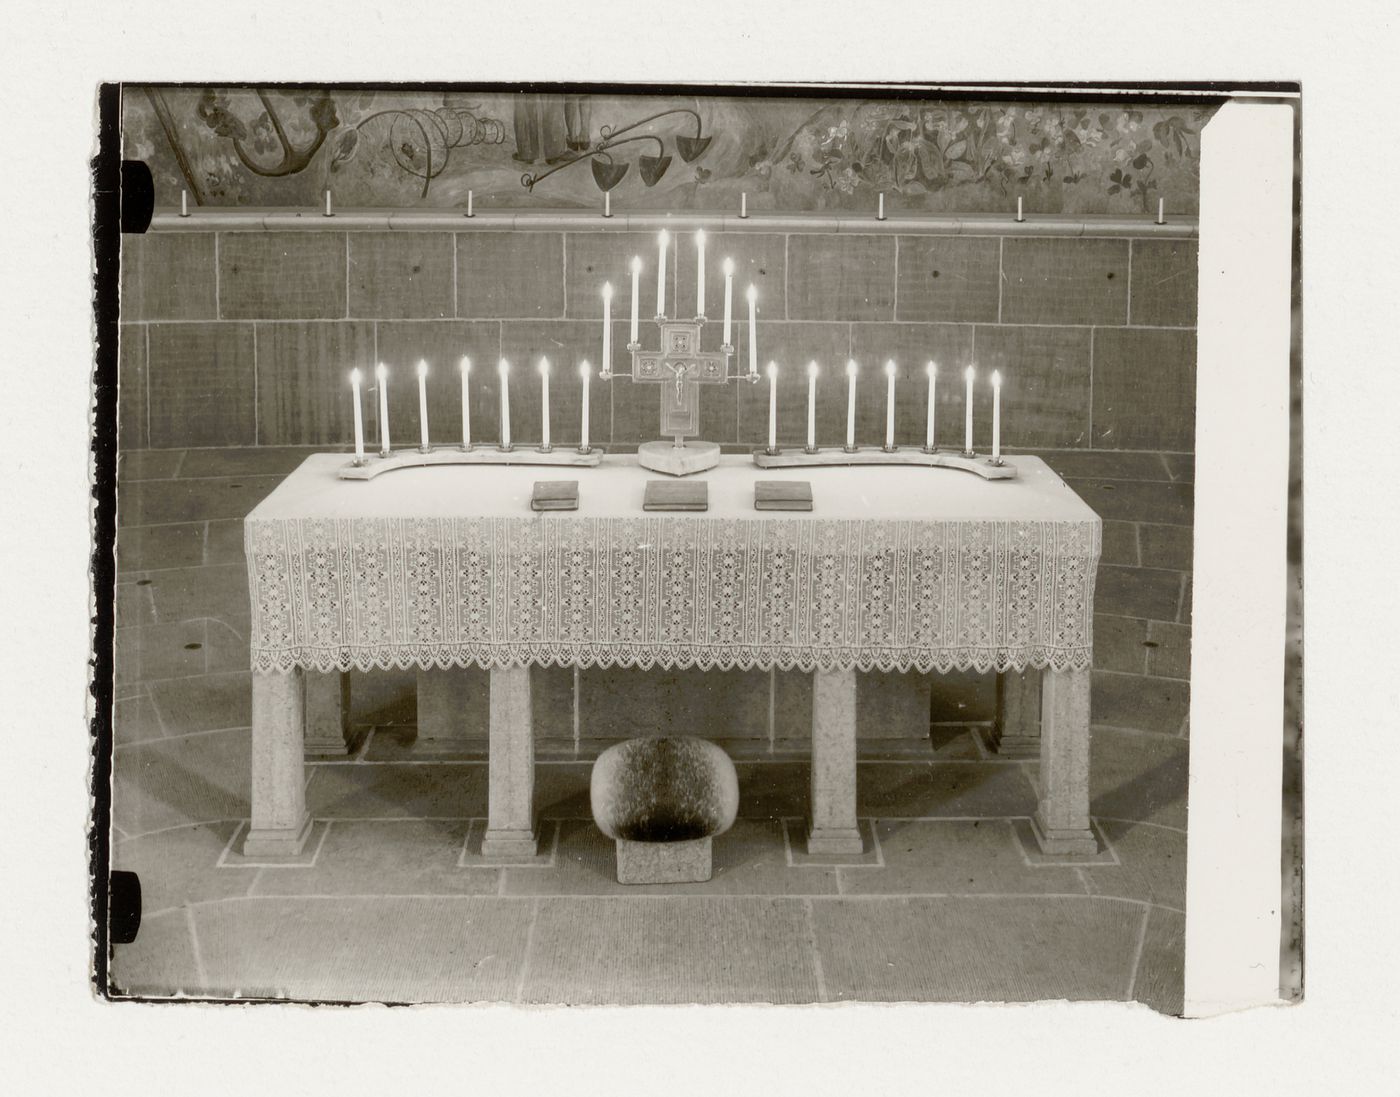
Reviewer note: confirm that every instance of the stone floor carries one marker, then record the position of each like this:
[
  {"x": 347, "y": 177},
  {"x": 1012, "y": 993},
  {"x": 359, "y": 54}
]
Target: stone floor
[{"x": 392, "y": 902}]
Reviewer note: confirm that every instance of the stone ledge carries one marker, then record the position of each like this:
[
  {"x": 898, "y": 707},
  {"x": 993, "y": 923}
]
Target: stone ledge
[{"x": 250, "y": 219}]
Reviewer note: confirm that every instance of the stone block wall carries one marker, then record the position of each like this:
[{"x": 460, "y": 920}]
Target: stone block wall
[{"x": 235, "y": 347}]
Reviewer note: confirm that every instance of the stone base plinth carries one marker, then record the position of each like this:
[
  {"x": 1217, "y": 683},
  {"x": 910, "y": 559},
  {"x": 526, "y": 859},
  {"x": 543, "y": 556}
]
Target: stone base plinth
[
  {"x": 663, "y": 862},
  {"x": 277, "y": 843},
  {"x": 676, "y": 460},
  {"x": 510, "y": 843},
  {"x": 1064, "y": 842},
  {"x": 829, "y": 840}
]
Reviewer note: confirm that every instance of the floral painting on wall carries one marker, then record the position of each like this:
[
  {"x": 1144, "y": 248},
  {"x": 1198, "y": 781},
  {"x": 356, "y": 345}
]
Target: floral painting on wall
[{"x": 395, "y": 148}]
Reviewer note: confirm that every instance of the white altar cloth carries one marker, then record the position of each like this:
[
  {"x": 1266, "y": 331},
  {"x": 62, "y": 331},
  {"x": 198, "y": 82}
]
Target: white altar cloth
[{"x": 895, "y": 568}]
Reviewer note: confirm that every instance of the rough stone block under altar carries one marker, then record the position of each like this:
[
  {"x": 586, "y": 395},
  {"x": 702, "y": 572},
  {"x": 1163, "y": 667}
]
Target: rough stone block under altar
[{"x": 664, "y": 862}]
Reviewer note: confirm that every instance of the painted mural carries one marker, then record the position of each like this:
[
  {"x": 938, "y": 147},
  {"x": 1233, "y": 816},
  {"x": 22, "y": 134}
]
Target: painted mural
[{"x": 396, "y": 148}]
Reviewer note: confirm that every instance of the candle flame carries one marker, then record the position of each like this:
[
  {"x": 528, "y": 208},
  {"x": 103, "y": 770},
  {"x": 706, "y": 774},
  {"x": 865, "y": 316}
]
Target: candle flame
[
  {"x": 699, "y": 238},
  {"x": 355, "y": 377},
  {"x": 465, "y": 364},
  {"x": 996, "y": 379},
  {"x": 889, "y": 368},
  {"x": 851, "y": 367},
  {"x": 422, "y": 367},
  {"x": 772, "y": 371},
  {"x": 503, "y": 366},
  {"x": 381, "y": 371},
  {"x": 607, "y": 291},
  {"x": 636, "y": 264},
  {"x": 544, "y": 367},
  {"x": 811, "y": 369},
  {"x": 584, "y": 369},
  {"x": 969, "y": 373},
  {"x": 932, "y": 367},
  {"x": 728, "y": 267},
  {"x": 663, "y": 238},
  {"x": 753, "y": 293}
]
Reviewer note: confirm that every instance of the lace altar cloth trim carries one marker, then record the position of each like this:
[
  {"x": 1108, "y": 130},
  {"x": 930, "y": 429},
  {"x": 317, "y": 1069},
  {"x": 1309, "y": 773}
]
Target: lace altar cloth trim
[{"x": 664, "y": 591}]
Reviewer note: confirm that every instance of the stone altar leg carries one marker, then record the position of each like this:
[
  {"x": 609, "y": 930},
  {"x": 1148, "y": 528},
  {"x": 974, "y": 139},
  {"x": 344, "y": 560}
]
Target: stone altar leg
[
  {"x": 327, "y": 712},
  {"x": 834, "y": 828},
  {"x": 1062, "y": 819},
  {"x": 280, "y": 823},
  {"x": 510, "y": 826},
  {"x": 1016, "y": 733}
]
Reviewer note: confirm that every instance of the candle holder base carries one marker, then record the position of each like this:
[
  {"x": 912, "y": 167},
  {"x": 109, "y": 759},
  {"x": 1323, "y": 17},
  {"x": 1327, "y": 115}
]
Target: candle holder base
[
  {"x": 873, "y": 455},
  {"x": 455, "y": 455},
  {"x": 425, "y": 449},
  {"x": 544, "y": 449},
  {"x": 889, "y": 449}
]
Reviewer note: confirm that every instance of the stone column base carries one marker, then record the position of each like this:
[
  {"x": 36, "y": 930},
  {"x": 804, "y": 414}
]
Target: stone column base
[
  {"x": 510, "y": 843},
  {"x": 277, "y": 842},
  {"x": 1063, "y": 842},
  {"x": 829, "y": 840}
]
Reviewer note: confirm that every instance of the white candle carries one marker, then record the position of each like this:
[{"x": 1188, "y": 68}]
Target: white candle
[
  {"x": 544, "y": 403},
  {"x": 607, "y": 328},
  {"x": 753, "y": 331},
  {"x": 504, "y": 369},
  {"x": 881, "y": 214},
  {"x": 423, "y": 403},
  {"x": 969, "y": 374},
  {"x": 469, "y": 204},
  {"x": 851, "y": 404},
  {"x": 1161, "y": 210},
  {"x": 811, "y": 406},
  {"x": 636, "y": 280},
  {"x": 996, "y": 415},
  {"x": 1020, "y": 208},
  {"x": 466, "y": 367},
  {"x": 359, "y": 417},
  {"x": 585, "y": 374},
  {"x": 381, "y": 374},
  {"x": 772, "y": 407},
  {"x": 932, "y": 386},
  {"x": 184, "y": 203},
  {"x": 699, "y": 272},
  {"x": 328, "y": 204},
  {"x": 663, "y": 238},
  {"x": 607, "y": 203},
  {"x": 728, "y": 302},
  {"x": 744, "y": 204},
  {"x": 889, "y": 404}
]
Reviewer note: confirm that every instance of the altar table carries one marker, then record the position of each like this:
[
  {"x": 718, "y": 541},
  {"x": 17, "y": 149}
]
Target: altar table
[{"x": 894, "y": 569}]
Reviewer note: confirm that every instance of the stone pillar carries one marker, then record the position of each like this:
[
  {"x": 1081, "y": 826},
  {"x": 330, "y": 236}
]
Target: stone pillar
[
  {"x": 1062, "y": 819},
  {"x": 280, "y": 823},
  {"x": 327, "y": 712},
  {"x": 1016, "y": 732},
  {"x": 510, "y": 825},
  {"x": 833, "y": 827}
]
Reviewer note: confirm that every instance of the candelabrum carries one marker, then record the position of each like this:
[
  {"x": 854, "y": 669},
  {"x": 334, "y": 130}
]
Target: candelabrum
[
  {"x": 680, "y": 367},
  {"x": 984, "y": 466}
]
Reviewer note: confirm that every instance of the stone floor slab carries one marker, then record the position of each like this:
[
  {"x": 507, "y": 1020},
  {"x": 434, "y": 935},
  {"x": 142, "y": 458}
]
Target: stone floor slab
[
  {"x": 181, "y": 780},
  {"x": 180, "y": 866},
  {"x": 161, "y": 962},
  {"x": 1138, "y": 775},
  {"x": 670, "y": 950},
  {"x": 1159, "y": 981},
  {"x": 1152, "y": 864},
  {"x": 359, "y": 791},
  {"x": 204, "y": 703}
]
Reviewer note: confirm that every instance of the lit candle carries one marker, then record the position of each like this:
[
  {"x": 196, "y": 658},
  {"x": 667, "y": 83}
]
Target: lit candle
[
  {"x": 585, "y": 375},
  {"x": 932, "y": 387},
  {"x": 466, "y": 367},
  {"x": 744, "y": 204},
  {"x": 1161, "y": 211},
  {"x": 381, "y": 374},
  {"x": 184, "y": 203},
  {"x": 699, "y": 272},
  {"x": 728, "y": 302},
  {"x": 889, "y": 404},
  {"x": 811, "y": 407},
  {"x": 422, "y": 404},
  {"x": 636, "y": 280},
  {"x": 469, "y": 204},
  {"x": 996, "y": 416},
  {"x": 970, "y": 373},
  {"x": 607, "y": 328},
  {"x": 328, "y": 204},
  {"x": 607, "y": 203},
  {"x": 663, "y": 238},
  {"x": 504, "y": 369},
  {"x": 850, "y": 405},
  {"x": 753, "y": 330},
  {"x": 359, "y": 417},
  {"x": 544, "y": 404},
  {"x": 772, "y": 407},
  {"x": 881, "y": 214},
  {"x": 1020, "y": 208}
]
